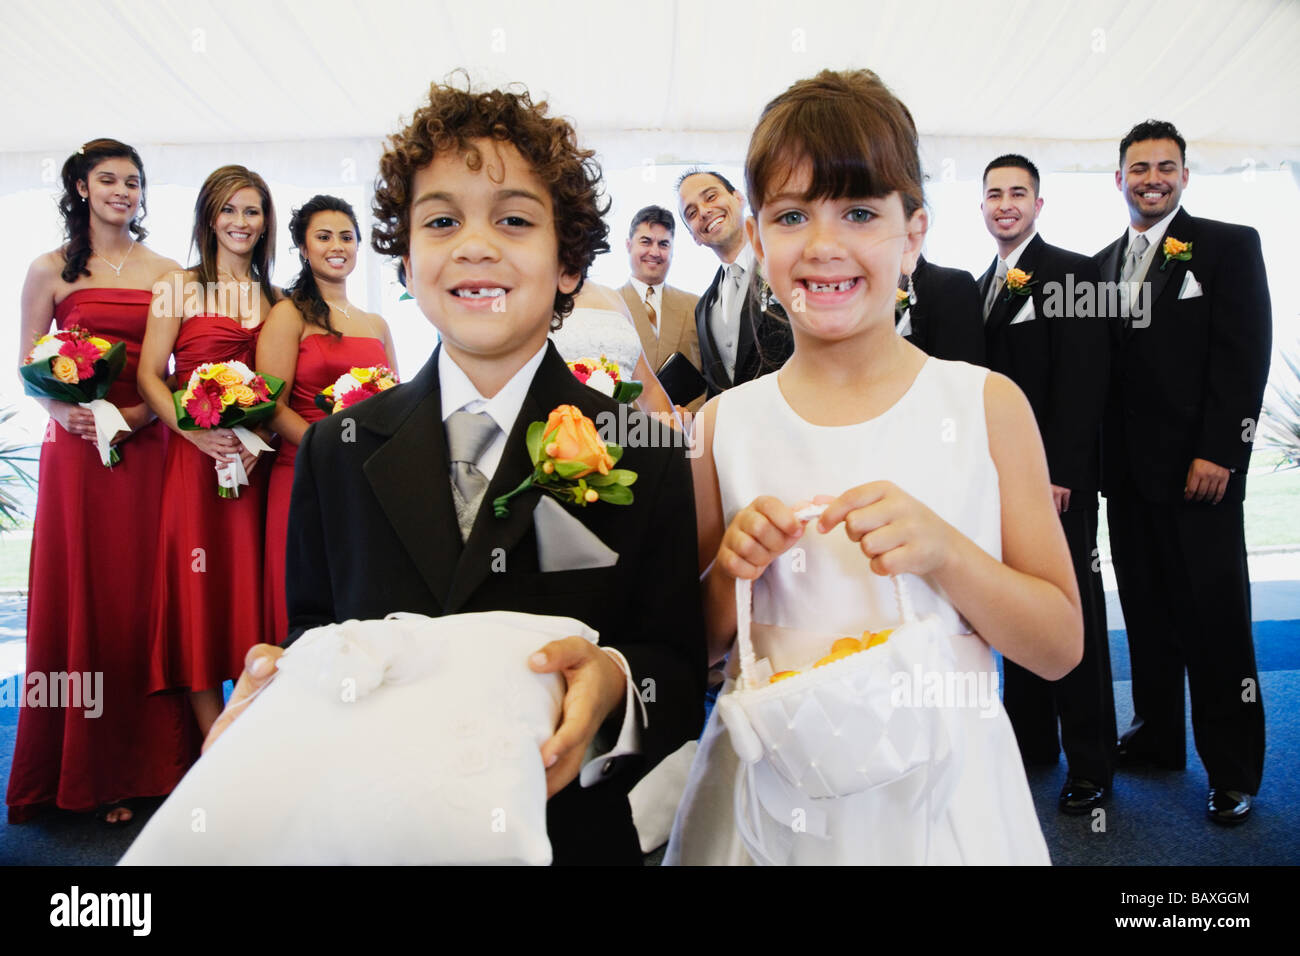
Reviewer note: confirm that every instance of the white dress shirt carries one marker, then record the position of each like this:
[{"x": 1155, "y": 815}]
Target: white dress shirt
[
  {"x": 460, "y": 394},
  {"x": 1014, "y": 256},
  {"x": 724, "y": 315},
  {"x": 657, "y": 300}
]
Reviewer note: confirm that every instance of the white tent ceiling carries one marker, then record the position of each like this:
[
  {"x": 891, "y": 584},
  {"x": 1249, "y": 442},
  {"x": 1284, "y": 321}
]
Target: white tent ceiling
[{"x": 668, "y": 81}]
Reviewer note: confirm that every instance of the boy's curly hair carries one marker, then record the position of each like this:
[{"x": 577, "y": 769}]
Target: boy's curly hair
[{"x": 453, "y": 117}]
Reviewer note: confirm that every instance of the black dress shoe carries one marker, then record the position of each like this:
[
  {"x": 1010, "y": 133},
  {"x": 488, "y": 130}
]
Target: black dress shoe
[
  {"x": 1228, "y": 807},
  {"x": 1080, "y": 795},
  {"x": 1130, "y": 758}
]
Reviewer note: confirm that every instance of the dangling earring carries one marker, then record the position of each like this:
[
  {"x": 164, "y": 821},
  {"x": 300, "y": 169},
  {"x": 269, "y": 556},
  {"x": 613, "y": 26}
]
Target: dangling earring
[{"x": 911, "y": 290}]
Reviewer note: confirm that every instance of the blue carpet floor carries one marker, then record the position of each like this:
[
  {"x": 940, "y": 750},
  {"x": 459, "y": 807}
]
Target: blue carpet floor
[{"x": 1152, "y": 818}]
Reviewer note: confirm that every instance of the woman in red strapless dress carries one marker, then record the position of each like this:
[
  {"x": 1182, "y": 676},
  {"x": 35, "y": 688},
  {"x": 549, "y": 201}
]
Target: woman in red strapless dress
[
  {"x": 93, "y": 544},
  {"x": 311, "y": 338},
  {"x": 207, "y": 603}
]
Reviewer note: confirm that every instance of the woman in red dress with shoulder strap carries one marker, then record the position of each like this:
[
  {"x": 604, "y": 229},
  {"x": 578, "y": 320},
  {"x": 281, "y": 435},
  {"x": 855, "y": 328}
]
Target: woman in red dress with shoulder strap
[
  {"x": 92, "y": 560},
  {"x": 207, "y": 602},
  {"x": 311, "y": 338}
]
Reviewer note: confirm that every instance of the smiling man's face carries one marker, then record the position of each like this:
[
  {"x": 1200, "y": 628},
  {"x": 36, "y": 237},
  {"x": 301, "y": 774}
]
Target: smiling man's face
[{"x": 713, "y": 215}]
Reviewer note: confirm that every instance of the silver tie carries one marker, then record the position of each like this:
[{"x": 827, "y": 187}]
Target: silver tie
[
  {"x": 468, "y": 436},
  {"x": 999, "y": 279},
  {"x": 1135, "y": 253}
]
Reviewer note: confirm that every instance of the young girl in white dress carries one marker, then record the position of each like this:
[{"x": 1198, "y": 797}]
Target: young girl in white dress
[{"x": 929, "y": 469}]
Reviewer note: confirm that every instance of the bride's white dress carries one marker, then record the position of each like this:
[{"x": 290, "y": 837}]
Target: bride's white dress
[
  {"x": 933, "y": 444},
  {"x": 591, "y": 333}
]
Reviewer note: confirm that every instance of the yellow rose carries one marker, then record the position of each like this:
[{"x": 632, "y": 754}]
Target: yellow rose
[
  {"x": 65, "y": 370},
  {"x": 100, "y": 344},
  {"x": 227, "y": 398},
  {"x": 243, "y": 395},
  {"x": 228, "y": 378},
  {"x": 1018, "y": 278},
  {"x": 1174, "y": 246},
  {"x": 577, "y": 440},
  {"x": 362, "y": 375},
  {"x": 901, "y": 295}
]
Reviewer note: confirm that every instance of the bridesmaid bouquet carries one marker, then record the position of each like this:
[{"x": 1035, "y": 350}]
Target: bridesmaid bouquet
[
  {"x": 228, "y": 395},
  {"x": 603, "y": 375},
  {"x": 76, "y": 367},
  {"x": 355, "y": 385}
]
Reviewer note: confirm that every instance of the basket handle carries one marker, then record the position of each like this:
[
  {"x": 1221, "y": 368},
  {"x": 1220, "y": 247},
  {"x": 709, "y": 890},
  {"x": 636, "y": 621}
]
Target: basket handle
[{"x": 745, "y": 619}]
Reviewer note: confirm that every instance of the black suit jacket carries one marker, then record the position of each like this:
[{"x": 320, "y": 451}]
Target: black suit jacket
[
  {"x": 372, "y": 530},
  {"x": 1060, "y": 359},
  {"x": 764, "y": 341},
  {"x": 948, "y": 317},
  {"x": 1190, "y": 383}
]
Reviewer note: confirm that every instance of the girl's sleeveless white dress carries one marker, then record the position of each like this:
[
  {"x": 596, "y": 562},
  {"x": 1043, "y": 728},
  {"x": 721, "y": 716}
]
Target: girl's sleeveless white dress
[{"x": 933, "y": 444}]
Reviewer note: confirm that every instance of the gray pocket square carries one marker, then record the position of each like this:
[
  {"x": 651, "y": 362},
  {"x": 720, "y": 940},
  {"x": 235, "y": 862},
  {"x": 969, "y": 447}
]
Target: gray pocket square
[{"x": 564, "y": 543}]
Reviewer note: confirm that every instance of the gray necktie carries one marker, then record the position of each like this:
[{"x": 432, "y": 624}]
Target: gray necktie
[
  {"x": 468, "y": 436},
  {"x": 999, "y": 279},
  {"x": 1135, "y": 253}
]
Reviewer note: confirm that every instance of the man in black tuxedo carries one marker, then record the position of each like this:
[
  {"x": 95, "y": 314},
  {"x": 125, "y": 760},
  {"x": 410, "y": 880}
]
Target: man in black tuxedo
[
  {"x": 1189, "y": 370},
  {"x": 945, "y": 319},
  {"x": 1050, "y": 340},
  {"x": 743, "y": 333}
]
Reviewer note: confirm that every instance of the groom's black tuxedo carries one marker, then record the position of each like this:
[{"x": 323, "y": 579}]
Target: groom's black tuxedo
[
  {"x": 764, "y": 342},
  {"x": 1189, "y": 384},
  {"x": 947, "y": 320},
  {"x": 1059, "y": 359},
  {"x": 372, "y": 530}
]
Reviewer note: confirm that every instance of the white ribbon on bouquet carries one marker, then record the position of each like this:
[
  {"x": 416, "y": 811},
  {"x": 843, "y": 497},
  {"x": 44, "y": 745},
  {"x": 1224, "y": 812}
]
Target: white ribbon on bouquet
[
  {"x": 231, "y": 474},
  {"x": 108, "y": 422}
]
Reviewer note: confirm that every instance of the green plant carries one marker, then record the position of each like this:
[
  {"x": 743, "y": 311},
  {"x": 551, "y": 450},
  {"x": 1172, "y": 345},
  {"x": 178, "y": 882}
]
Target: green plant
[
  {"x": 1281, "y": 419},
  {"x": 13, "y": 471}
]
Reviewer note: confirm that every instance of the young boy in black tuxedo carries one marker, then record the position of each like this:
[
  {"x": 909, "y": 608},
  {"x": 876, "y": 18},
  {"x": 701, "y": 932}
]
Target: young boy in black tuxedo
[{"x": 496, "y": 215}]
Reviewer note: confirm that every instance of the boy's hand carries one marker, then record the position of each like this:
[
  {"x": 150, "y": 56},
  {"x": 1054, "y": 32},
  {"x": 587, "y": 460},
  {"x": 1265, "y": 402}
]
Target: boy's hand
[
  {"x": 595, "y": 685},
  {"x": 259, "y": 669},
  {"x": 898, "y": 533},
  {"x": 757, "y": 536}
]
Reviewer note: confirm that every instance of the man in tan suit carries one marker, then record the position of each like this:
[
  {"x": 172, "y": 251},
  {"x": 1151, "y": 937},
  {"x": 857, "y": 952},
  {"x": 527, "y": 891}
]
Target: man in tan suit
[{"x": 664, "y": 316}]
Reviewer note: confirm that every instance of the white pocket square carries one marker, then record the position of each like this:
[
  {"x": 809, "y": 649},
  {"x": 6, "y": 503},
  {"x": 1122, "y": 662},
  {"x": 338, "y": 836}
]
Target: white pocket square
[
  {"x": 1191, "y": 288},
  {"x": 1026, "y": 313},
  {"x": 564, "y": 543}
]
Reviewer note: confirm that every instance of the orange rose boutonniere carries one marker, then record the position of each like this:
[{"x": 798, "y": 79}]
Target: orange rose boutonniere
[
  {"x": 1175, "y": 249},
  {"x": 902, "y": 302},
  {"x": 572, "y": 462},
  {"x": 1019, "y": 282}
]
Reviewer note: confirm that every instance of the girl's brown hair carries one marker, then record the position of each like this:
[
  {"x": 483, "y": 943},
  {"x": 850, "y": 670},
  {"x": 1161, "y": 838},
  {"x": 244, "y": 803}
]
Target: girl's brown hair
[{"x": 859, "y": 138}]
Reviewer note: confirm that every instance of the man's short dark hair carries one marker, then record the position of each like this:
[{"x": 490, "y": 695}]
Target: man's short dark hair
[
  {"x": 1014, "y": 161},
  {"x": 655, "y": 216},
  {"x": 1152, "y": 129},
  {"x": 700, "y": 171}
]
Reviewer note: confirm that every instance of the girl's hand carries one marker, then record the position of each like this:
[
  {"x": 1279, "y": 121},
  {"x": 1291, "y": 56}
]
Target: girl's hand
[
  {"x": 74, "y": 419},
  {"x": 898, "y": 533},
  {"x": 757, "y": 536},
  {"x": 217, "y": 443}
]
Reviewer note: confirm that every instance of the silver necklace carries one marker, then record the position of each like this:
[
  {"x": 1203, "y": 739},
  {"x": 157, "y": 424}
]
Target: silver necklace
[
  {"x": 117, "y": 269},
  {"x": 345, "y": 312}
]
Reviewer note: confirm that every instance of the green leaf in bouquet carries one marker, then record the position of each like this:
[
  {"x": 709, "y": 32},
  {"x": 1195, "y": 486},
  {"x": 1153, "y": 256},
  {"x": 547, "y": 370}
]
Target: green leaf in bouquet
[
  {"x": 615, "y": 494},
  {"x": 623, "y": 476},
  {"x": 324, "y": 403},
  {"x": 570, "y": 469},
  {"x": 615, "y": 451},
  {"x": 627, "y": 392},
  {"x": 107, "y": 368},
  {"x": 39, "y": 382},
  {"x": 534, "y": 438}
]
